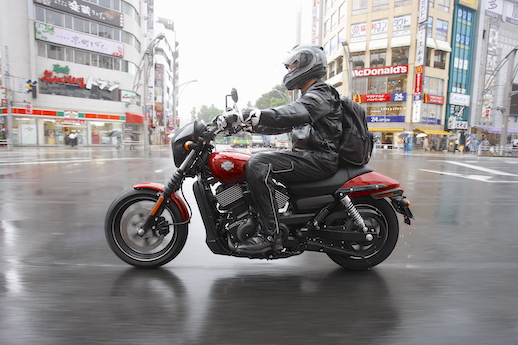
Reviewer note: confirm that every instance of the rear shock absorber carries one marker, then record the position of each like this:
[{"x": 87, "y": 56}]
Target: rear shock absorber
[{"x": 354, "y": 214}]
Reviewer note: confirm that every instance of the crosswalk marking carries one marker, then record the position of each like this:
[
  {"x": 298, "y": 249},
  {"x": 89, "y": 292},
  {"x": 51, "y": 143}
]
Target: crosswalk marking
[{"x": 481, "y": 178}]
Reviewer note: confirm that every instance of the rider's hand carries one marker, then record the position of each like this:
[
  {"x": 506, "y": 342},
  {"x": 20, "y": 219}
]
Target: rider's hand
[
  {"x": 250, "y": 116},
  {"x": 228, "y": 119}
]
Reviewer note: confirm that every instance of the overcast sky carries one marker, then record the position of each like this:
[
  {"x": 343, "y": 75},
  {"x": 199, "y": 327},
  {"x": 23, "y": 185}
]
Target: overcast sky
[{"x": 230, "y": 43}]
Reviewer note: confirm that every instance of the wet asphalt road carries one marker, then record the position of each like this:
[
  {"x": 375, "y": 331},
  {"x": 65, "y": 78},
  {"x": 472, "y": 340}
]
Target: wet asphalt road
[{"x": 452, "y": 279}]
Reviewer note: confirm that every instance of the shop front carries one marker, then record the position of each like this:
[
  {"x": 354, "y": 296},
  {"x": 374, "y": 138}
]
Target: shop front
[{"x": 39, "y": 127}]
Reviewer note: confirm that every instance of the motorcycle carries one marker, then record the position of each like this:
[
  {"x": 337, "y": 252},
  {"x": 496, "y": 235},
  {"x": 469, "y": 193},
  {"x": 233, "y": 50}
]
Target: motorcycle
[{"x": 350, "y": 216}]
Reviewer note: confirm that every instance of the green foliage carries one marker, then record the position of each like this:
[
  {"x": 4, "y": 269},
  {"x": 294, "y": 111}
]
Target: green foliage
[
  {"x": 207, "y": 114},
  {"x": 273, "y": 98}
]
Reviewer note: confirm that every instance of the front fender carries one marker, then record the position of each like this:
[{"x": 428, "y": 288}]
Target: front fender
[{"x": 177, "y": 199}]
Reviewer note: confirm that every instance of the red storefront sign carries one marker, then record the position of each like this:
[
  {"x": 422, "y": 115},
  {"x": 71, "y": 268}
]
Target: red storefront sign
[{"x": 433, "y": 99}]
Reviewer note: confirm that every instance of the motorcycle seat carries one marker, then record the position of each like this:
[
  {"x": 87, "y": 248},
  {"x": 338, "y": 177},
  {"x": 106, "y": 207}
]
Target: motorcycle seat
[{"x": 329, "y": 184}]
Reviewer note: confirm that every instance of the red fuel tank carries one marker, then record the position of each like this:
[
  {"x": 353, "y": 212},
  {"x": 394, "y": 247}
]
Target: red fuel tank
[{"x": 229, "y": 166}]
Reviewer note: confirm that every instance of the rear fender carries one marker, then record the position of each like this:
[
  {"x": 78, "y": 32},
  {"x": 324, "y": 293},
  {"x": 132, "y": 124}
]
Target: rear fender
[
  {"x": 177, "y": 199},
  {"x": 372, "y": 183}
]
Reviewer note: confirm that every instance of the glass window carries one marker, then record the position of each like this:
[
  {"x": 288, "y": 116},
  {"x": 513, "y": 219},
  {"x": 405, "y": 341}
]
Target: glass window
[
  {"x": 380, "y": 5},
  {"x": 54, "y": 18},
  {"x": 81, "y": 57},
  {"x": 358, "y": 60},
  {"x": 69, "y": 54},
  {"x": 80, "y": 25},
  {"x": 42, "y": 49},
  {"x": 56, "y": 52},
  {"x": 443, "y": 5},
  {"x": 429, "y": 27},
  {"x": 378, "y": 58},
  {"x": 105, "y": 62},
  {"x": 105, "y": 3},
  {"x": 400, "y": 56},
  {"x": 439, "y": 59},
  {"x": 40, "y": 14},
  {"x": 396, "y": 84},
  {"x": 441, "y": 30},
  {"x": 377, "y": 85},
  {"x": 359, "y": 7},
  {"x": 94, "y": 28},
  {"x": 69, "y": 22},
  {"x": 94, "y": 60}
]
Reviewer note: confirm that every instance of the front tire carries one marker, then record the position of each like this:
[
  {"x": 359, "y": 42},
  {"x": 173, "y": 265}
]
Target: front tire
[
  {"x": 380, "y": 217},
  {"x": 155, "y": 248}
]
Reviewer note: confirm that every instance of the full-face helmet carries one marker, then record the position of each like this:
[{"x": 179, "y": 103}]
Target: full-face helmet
[{"x": 304, "y": 62}]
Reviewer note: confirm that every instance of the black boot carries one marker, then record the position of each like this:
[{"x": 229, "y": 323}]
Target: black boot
[{"x": 259, "y": 244}]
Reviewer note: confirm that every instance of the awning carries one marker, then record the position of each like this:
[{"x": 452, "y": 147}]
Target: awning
[
  {"x": 496, "y": 130},
  {"x": 430, "y": 43},
  {"x": 443, "y": 45},
  {"x": 401, "y": 41},
  {"x": 134, "y": 118},
  {"x": 358, "y": 47},
  {"x": 386, "y": 129},
  {"x": 378, "y": 44},
  {"x": 433, "y": 131}
]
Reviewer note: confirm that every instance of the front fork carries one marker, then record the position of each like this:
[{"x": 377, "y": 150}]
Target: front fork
[{"x": 172, "y": 186}]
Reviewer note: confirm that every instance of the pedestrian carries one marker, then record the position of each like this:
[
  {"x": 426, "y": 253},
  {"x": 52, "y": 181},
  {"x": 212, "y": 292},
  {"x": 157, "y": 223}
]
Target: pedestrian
[
  {"x": 425, "y": 144},
  {"x": 456, "y": 146},
  {"x": 72, "y": 138}
]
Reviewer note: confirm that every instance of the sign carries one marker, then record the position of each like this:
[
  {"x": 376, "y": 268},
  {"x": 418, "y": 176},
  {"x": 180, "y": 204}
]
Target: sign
[
  {"x": 459, "y": 99},
  {"x": 385, "y": 119},
  {"x": 423, "y": 11},
  {"x": 55, "y": 34},
  {"x": 383, "y": 97},
  {"x": 101, "y": 83},
  {"x": 495, "y": 9},
  {"x": 401, "y": 26},
  {"x": 371, "y": 72},
  {"x": 86, "y": 9},
  {"x": 379, "y": 29},
  {"x": 359, "y": 32},
  {"x": 434, "y": 99}
]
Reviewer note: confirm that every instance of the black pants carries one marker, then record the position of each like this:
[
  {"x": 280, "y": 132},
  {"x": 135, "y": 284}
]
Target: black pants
[{"x": 283, "y": 166}]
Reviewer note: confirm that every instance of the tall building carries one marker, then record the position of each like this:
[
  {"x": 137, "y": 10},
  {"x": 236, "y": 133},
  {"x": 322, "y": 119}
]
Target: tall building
[
  {"x": 497, "y": 39},
  {"x": 398, "y": 52},
  {"x": 84, "y": 65}
]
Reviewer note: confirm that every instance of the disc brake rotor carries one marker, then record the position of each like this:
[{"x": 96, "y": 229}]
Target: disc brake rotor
[{"x": 132, "y": 222}]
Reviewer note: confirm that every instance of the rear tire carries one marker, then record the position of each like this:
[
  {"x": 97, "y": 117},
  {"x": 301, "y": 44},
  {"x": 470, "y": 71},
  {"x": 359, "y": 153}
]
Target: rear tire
[
  {"x": 379, "y": 216},
  {"x": 127, "y": 214}
]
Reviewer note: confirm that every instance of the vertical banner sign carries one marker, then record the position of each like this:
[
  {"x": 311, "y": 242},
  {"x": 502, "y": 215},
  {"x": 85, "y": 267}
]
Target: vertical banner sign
[
  {"x": 314, "y": 24},
  {"x": 422, "y": 19}
]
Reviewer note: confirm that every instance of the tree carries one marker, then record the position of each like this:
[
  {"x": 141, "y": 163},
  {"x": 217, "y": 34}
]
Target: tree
[
  {"x": 273, "y": 98},
  {"x": 207, "y": 114}
]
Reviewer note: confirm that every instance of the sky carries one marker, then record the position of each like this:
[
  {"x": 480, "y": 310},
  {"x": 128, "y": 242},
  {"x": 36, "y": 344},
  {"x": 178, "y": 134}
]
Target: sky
[{"x": 230, "y": 43}]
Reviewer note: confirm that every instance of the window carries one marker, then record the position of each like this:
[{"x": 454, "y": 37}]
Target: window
[
  {"x": 441, "y": 30},
  {"x": 359, "y": 7},
  {"x": 52, "y": 17},
  {"x": 439, "y": 59},
  {"x": 400, "y": 56},
  {"x": 396, "y": 84},
  {"x": 81, "y": 57},
  {"x": 429, "y": 27},
  {"x": 399, "y": 3},
  {"x": 378, "y": 58},
  {"x": 380, "y": 5},
  {"x": 443, "y": 5},
  {"x": 433, "y": 86},
  {"x": 342, "y": 11},
  {"x": 358, "y": 60}
]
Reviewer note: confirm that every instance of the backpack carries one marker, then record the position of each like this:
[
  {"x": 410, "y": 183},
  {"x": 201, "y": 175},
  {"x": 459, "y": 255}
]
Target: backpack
[{"x": 357, "y": 141}]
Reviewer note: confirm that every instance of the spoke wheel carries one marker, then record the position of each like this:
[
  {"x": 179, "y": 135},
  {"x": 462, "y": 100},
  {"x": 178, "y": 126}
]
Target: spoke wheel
[
  {"x": 155, "y": 247},
  {"x": 382, "y": 223}
]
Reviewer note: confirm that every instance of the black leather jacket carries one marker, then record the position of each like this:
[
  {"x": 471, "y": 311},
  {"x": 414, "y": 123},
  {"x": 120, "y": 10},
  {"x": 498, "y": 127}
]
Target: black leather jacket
[{"x": 314, "y": 121}]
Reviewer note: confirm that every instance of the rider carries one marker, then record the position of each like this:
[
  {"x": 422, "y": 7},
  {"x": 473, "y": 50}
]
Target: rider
[{"x": 315, "y": 124}]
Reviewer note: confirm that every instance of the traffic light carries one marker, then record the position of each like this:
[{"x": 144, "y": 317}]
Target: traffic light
[{"x": 31, "y": 88}]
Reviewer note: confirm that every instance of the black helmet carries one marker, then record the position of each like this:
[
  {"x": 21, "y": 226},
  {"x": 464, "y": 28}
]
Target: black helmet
[{"x": 311, "y": 63}]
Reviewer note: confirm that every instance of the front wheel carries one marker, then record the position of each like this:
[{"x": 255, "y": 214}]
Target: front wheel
[
  {"x": 382, "y": 222},
  {"x": 156, "y": 247}
]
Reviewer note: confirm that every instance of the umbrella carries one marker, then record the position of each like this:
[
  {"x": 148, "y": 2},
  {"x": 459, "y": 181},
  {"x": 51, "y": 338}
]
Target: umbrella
[
  {"x": 114, "y": 133},
  {"x": 421, "y": 135},
  {"x": 403, "y": 134},
  {"x": 135, "y": 132}
]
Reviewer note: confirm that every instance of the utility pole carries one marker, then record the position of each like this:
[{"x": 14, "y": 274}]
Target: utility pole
[
  {"x": 508, "y": 94},
  {"x": 10, "y": 139}
]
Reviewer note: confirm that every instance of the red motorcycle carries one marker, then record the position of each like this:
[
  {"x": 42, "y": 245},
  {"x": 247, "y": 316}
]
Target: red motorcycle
[{"x": 350, "y": 216}]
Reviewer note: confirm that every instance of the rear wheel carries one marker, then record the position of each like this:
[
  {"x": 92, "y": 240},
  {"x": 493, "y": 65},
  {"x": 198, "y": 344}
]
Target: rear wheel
[
  {"x": 156, "y": 247},
  {"x": 382, "y": 222}
]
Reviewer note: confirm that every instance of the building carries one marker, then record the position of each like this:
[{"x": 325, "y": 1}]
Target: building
[
  {"x": 398, "y": 52},
  {"x": 497, "y": 39},
  {"x": 83, "y": 64}
]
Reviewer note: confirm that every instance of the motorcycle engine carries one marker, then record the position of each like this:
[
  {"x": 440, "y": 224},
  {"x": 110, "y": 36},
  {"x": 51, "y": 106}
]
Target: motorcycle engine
[{"x": 230, "y": 198}]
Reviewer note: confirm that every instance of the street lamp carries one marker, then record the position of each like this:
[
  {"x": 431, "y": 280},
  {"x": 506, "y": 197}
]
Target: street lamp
[
  {"x": 148, "y": 57},
  {"x": 347, "y": 51},
  {"x": 176, "y": 98}
]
